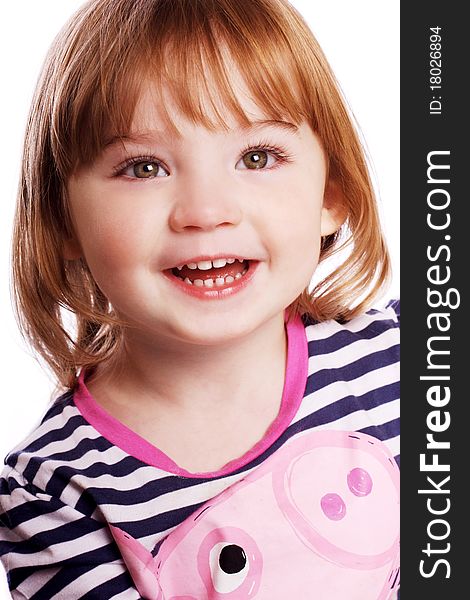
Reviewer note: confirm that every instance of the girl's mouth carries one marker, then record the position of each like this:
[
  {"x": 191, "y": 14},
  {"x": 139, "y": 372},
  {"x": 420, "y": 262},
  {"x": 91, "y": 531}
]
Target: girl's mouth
[{"x": 213, "y": 278}]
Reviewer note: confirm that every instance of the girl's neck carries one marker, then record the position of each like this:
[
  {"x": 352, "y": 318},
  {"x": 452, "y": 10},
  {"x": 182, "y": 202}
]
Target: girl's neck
[
  {"x": 202, "y": 406},
  {"x": 189, "y": 377}
]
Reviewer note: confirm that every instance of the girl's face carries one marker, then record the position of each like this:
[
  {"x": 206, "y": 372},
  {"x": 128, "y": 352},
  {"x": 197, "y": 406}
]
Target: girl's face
[{"x": 155, "y": 202}]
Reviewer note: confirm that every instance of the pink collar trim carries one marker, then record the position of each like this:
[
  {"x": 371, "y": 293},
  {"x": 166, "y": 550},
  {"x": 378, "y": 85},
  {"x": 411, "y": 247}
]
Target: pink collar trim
[{"x": 130, "y": 442}]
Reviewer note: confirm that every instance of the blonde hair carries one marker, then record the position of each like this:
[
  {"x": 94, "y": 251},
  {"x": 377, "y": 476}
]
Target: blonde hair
[{"x": 87, "y": 92}]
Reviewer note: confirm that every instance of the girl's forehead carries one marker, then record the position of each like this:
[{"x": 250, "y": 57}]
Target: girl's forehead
[
  {"x": 156, "y": 108},
  {"x": 219, "y": 99}
]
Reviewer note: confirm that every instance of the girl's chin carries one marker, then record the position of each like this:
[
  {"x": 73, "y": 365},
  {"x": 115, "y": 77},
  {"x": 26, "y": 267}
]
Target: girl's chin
[{"x": 214, "y": 331}]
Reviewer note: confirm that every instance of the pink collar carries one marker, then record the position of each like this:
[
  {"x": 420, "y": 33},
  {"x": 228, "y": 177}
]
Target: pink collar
[{"x": 130, "y": 442}]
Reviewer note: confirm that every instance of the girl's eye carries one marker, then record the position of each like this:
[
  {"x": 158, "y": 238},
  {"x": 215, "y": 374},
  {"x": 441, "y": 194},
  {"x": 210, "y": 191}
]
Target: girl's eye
[
  {"x": 262, "y": 157},
  {"x": 144, "y": 169},
  {"x": 256, "y": 159}
]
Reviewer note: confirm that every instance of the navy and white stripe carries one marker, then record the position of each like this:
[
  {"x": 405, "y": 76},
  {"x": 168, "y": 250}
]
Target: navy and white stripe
[{"x": 64, "y": 483}]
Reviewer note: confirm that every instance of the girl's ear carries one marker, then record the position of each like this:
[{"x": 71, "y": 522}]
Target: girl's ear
[
  {"x": 72, "y": 249},
  {"x": 334, "y": 210}
]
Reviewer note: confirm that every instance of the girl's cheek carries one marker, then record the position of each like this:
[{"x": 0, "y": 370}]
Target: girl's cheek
[{"x": 115, "y": 228}]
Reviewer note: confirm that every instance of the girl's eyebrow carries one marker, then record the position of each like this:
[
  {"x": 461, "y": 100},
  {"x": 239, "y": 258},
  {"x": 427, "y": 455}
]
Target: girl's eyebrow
[
  {"x": 253, "y": 125},
  {"x": 136, "y": 137},
  {"x": 156, "y": 134}
]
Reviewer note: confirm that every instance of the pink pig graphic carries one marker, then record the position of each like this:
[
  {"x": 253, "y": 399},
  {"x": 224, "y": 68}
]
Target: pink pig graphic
[{"x": 318, "y": 519}]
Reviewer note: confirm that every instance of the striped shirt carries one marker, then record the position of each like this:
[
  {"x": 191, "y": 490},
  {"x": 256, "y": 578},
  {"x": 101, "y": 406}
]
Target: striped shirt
[{"x": 85, "y": 501}]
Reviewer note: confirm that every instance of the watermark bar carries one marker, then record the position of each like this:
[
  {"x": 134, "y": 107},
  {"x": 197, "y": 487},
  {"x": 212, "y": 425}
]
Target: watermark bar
[{"x": 435, "y": 250}]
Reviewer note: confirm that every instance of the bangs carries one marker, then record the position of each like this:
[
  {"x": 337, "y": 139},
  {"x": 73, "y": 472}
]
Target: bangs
[
  {"x": 194, "y": 54},
  {"x": 201, "y": 61}
]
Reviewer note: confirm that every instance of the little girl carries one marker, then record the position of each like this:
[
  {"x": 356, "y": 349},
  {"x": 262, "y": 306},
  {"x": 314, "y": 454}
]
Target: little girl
[{"x": 225, "y": 433}]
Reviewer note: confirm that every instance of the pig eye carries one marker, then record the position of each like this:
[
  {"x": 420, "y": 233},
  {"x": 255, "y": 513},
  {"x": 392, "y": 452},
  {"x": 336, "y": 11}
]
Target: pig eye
[
  {"x": 229, "y": 567},
  {"x": 230, "y": 564},
  {"x": 232, "y": 559}
]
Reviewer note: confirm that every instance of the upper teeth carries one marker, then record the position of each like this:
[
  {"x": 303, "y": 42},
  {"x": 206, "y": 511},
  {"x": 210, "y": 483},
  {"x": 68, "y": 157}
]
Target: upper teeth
[{"x": 205, "y": 265}]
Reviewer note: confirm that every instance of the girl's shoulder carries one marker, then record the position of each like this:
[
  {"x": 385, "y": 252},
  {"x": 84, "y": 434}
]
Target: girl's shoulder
[
  {"x": 55, "y": 432},
  {"x": 353, "y": 378},
  {"x": 50, "y": 420},
  {"x": 367, "y": 326},
  {"x": 363, "y": 353}
]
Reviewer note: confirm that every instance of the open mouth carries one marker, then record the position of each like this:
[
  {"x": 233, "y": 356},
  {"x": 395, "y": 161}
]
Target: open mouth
[{"x": 217, "y": 274}]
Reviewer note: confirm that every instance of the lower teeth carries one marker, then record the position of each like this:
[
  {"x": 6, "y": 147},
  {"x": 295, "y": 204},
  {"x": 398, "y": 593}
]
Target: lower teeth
[{"x": 218, "y": 282}]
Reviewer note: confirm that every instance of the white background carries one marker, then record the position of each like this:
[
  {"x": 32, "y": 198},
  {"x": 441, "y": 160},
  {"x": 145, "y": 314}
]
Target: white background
[{"x": 361, "y": 42}]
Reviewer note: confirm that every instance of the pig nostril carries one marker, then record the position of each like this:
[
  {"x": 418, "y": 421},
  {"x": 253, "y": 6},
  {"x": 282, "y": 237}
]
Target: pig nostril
[
  {"x": 359, "y": 482},
  {"x": 333, "y": 507}
]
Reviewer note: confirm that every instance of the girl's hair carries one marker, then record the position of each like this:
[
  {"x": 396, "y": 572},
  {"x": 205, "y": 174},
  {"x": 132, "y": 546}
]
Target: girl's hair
[{"x": 86, "y": 95}]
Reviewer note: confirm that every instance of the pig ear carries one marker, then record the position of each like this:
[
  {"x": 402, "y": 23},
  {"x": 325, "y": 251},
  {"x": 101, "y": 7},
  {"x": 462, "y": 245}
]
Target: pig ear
[{"x": 141, "y": 564}]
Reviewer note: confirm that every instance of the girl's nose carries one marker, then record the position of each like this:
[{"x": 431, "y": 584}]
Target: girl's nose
[{"x": 204, "y": 205}]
